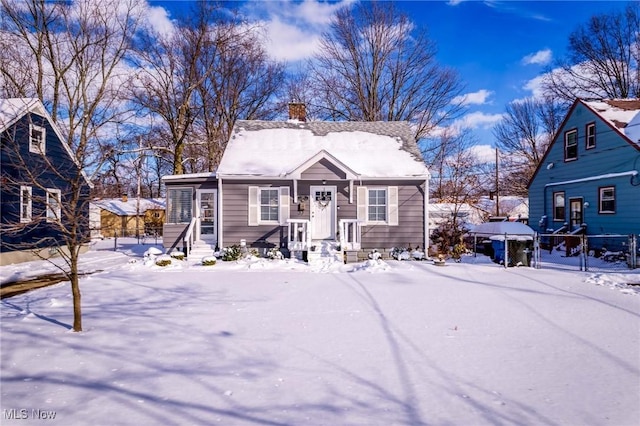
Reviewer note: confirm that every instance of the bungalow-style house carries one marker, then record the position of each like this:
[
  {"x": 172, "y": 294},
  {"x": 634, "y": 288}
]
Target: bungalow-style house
[
  {"x": 300, "y": 186},
  {"x": 589, "y": 178},
  {"x": 125, "y": 217},
  {"x": 37, "y": 169}
]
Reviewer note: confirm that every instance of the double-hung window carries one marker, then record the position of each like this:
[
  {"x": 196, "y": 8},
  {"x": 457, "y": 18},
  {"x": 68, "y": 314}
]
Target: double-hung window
[
  {"x": 378, "y": 205},
  {"x": 571, "y": 145},
  {"x": 25, "y": 204},
  {"x": 53, "y": 205},
  {"x": 590, "y": 136},
  {"x": 268, "y": 205},
  {"x": 37, "y": 138},
  {"x": 558, "y": 206},
  {"x": 179, "y": 205},
  {"x": 607, "y": 199}
]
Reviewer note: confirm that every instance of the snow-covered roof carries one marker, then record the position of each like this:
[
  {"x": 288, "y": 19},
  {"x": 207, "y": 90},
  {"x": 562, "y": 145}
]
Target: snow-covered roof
[
  {"x": 282, "y": 148},
  {"x": 623, "y": 114},
  {"x": 490, "y": 229},
  {"x": 12, "y": 109},
  {"x": 129, "y": 208},
  {"x": 187, "y": 176}
]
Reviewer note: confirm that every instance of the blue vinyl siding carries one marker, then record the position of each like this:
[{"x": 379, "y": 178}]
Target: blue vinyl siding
[
  {"x": 51, "y": 170},
  {"x": 612, "y": 154}
]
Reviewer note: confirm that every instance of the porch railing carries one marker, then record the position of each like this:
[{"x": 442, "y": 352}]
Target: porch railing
[
  {"x": 189, "y": 236},
  {"x": 298, "y": 234},
  {"x": 350, "y": 234}
]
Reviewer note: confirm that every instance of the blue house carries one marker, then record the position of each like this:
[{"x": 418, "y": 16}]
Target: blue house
[
  {"x": 38, "y": 171},
  {"x": 590, "y": 175}
]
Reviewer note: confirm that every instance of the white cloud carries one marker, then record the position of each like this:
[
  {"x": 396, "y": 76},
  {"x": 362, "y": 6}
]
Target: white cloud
[
  {"x": 484, "y": 153},
  {"x": 478, "y": 120},
  {"x": 293, "y": 29},
  {"x": 475, "y": 98},
  {"x": 541, "y": 57}
]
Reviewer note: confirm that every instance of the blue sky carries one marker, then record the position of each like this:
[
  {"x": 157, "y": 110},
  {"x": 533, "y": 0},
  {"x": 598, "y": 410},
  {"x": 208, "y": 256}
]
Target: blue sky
[{"x": 498, "y": 47}]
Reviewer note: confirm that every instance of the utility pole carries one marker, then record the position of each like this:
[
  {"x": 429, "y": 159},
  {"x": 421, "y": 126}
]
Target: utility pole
[{"x": 497, "y": 187}]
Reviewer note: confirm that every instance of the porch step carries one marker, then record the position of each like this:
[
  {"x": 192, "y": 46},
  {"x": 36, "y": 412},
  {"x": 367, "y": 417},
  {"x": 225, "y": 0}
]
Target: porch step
[
  {"x": 326, "y": 252},
  {"x": 200, "y": 250}
]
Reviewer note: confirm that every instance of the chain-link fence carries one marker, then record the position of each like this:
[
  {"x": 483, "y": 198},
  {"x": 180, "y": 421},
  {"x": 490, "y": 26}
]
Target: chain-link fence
[
  {"x": 150, "y": 235},
  {"x": 586, "y": 252}
]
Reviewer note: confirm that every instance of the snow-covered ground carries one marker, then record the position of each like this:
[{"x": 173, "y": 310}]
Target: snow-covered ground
[{"x": 281, "y": 343}]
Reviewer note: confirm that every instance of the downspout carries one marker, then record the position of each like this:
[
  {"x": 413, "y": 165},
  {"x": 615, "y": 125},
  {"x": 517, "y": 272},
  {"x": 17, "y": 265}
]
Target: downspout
[
  {"x": 220, "y": 217},
  {"x": 426, "y": 218}
]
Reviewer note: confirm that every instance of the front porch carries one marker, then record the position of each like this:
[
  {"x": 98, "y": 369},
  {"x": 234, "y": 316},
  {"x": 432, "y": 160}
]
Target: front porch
[{"x": 348, "y": 239}]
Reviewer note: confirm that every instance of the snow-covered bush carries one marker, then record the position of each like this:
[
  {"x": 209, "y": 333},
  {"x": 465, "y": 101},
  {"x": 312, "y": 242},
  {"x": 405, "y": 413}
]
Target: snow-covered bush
[
  {"x": 231, "y": 253},
  {"x": 400, "y": 253},
  {"x": 375, "y": 255},
  {"x": 163, "y": 260},
  {"x": 275, "y": 254},
  {"x": 178, "y": 255},
  {"x": 209, "y": 261}
]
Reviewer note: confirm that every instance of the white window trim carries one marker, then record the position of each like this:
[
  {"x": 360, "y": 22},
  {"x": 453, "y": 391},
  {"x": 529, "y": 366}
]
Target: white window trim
[
  {"x": 386, "y": 205},
  {"x": 566, "y": 146},
  {"x": 601, "y": 199},
  {"x": 170, "y": 204},
  {"x": 255, "y": 217},
  {"x": 53, "y": 216},
  {"x": 391, "y": 201},
  {"x": 28, "y": 218},
  {"x": 588, "y": 137},
  {"x": 42, "y": 147}
]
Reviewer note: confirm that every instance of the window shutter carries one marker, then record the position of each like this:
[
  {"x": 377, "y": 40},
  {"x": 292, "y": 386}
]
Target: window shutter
[
  {"x": 392, "y": 201},
  {"x": 362, "y": 204},
  {"x": 284, "y": 205},
  {"x": 254, "y": 207}
]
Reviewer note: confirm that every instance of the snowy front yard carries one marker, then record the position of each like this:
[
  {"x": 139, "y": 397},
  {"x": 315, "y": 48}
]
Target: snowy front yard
[{"x": 400, "y": 343}]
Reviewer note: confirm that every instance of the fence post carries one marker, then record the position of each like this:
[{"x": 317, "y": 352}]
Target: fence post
[
  {"x": 633, "y": 251},
  {"x": 584, "y": 248},
  {"x": 536, "y": 249},
  {"x": 506, "y": 251}
]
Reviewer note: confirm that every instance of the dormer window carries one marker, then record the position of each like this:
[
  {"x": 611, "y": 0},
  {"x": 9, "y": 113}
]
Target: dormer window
[{"x": 37, "y": 138}]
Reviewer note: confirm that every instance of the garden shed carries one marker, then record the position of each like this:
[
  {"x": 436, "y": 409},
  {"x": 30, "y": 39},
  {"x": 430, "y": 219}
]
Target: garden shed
[{"x": 515, "y": 238}]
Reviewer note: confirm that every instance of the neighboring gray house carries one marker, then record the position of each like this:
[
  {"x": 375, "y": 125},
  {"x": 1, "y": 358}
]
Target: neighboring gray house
[{"x": 297, "y": 185}]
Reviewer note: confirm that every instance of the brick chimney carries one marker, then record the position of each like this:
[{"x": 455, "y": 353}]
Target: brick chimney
[
  {"x": 125, "y": 198},
  {"x": 297, "y": 111}
]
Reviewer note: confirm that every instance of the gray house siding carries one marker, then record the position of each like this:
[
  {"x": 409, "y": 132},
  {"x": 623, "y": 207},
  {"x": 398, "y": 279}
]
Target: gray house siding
[
  {"x": 323, "y": 169},
  {"x": 235, "y": 195},
  {"x": 582, "y": 178},
  {"x": 410, "y": 229}
]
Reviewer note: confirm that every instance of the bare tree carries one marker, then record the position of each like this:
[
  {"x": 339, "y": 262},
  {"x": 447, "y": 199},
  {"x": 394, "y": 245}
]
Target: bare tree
[
  {"x": 374, "y": 64},
  {"x": 76, "y": 64},
  {"x": 602, "y": 60},
  {"x": 458, "y": 178},
  {"x": 199, "y": 79},
  {"x": 524, "y": 134}
]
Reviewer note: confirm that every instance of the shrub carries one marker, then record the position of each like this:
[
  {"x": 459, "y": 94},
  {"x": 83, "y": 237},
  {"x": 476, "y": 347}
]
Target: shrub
[
  {"x": 178, "y": 255},
  {"x": 275, "y": 253},
  {"x": 208, "y": 261},
  {"x": 163, "y": 261},
  {"x": 231, "y": 253}
]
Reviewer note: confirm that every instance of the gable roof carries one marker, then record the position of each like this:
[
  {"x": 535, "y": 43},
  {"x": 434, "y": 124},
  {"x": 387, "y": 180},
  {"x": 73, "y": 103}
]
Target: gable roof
[
  {"x": 129, "y": 207},
  {"x": 281, "y": 148},
  {"x": 13, "y": 109},
  {"x": 621, "y": 114}
]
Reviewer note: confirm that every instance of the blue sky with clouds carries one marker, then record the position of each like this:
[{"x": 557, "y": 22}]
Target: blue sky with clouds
[{"x": 498, "y": 47}]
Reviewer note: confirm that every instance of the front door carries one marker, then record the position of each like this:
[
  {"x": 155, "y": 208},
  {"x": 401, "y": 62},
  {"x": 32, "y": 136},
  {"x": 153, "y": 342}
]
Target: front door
[
  {"x": 323, "y": 212},
  {"x": 206, "y": 205},
  {"x": 575, "y": 208}
]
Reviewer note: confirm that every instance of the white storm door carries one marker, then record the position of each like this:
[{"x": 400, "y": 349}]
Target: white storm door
[
  {"x": 206, "y": 200},
  {"x": 323, "y": 212}
]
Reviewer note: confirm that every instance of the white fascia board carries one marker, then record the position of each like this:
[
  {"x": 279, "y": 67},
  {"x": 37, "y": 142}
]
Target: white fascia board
[{"x": 592, "y": 178}]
